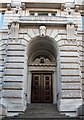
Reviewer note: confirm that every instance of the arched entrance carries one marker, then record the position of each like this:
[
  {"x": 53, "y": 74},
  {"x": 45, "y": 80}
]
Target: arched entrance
[{"x": 42, "y": 70}]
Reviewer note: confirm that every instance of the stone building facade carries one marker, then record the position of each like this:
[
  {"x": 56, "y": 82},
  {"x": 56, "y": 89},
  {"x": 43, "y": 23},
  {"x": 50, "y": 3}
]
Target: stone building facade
[{"x": 41, "y": 55}]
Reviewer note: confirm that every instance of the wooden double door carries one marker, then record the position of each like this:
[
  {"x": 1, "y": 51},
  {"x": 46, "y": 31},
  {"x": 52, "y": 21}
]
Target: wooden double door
[{"x": 42, "y": 88}]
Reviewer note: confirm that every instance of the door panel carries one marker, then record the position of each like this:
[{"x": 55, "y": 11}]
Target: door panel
[
  {"x": 36, "y": 88},
  {"x": 47, "y": 88},
  {"x": 41, "y": 88}
]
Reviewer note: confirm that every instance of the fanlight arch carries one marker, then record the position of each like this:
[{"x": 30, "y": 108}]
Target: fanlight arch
[{"x": 42, "y": 47}]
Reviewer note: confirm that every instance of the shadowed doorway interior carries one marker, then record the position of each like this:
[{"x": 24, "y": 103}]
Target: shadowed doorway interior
[{"x": 42, "y": 70}]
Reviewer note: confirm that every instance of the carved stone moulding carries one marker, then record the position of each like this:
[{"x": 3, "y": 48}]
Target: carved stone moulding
[
  {"x": 71, "y": 31},
  {"x": 68, "y": 9},
  {"x": 23, "y": 6},
  {"x": 15, "y": 3},
  {"x": 71, "y": 41},
  {"x": 8, "y": 6},
  {"x": 62, "y": 7},
  {"x": 9, "y": 25},
  {"x": 42, "y": 31},
  {"x": 76, "y": 8},
  {"x": 13, "y": 31}
]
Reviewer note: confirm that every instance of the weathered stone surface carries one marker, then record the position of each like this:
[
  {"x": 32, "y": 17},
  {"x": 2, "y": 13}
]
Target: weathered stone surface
[
  {"x": 23, "y": 31},
  {"x": 13, "y": 78},
  {"x": 36, "y": 32},
  {"x": 2, "y": 52},
  {"x": 15, "y": 47},
  {"x": 2, "y": 48},
  {"x": 1, "y": 78},
  {"x": 81, "y": 58},
  {"x": 69, "y": 60},
  {"x": 24, "y": 41},
  {"x": 71, "y": 93},
  {"x": 12, "y": 93},
  {"x": 31, "y": 33},
  {"x": 80, "y": 110},
  {"x": 82, "y": 74},
  {"x": 26, "y": 37},
  {"x": 1, "y": 68},
  {"x": 83, "y": 94},
  {"x": 62, "y": 32},
  {"x": 70, "y": 103},
  {"x": 71, "y": 79},
  {"x": 21, "y": 35},
  {"x": 5, "y": 36},
  {"x": 17, "y": 107},
  {"x": 13, "y": 100},
  {"x": 73, "y": 54},
  {"x": 51, "y": 32},
  {"x": 82, "y": 80},
  {"x": 70, "y": 42},
  {"x": 3, "y": 111},
  {"x": 12, "y": 85},
  {"x": 0, "y": 86},
  {"x": 70, "y": 72},
  {"x": 81, "y": 53},
  {"x": 71, "y": 86},
  {"x": 1, "y": 74},
  {"x": 14, "y": 71},
  {"x": 0, "y": 94},
  {"x": 71, "y": 31},
  {"x": 16, "y": 65},
  {"x": 59, "y": 40},
  {"x": 18, "y": 59},
  {"x": 70, "y": 48},
  {"x": 15, "y": 53},
  {"x": 81, "y": 63},
  {"x": 69, "y": 66}
]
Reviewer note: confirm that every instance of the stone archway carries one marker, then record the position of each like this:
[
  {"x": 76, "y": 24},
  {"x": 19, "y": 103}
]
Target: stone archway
[{"x": 43, "y": 60}]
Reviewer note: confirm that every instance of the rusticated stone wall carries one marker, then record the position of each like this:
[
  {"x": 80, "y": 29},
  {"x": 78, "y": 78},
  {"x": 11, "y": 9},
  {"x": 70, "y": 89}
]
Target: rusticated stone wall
[{"x": 18, "y": 30}]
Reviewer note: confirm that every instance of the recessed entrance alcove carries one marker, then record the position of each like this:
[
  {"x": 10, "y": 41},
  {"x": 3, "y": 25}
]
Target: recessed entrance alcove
[{"x": 43, "y": 83}]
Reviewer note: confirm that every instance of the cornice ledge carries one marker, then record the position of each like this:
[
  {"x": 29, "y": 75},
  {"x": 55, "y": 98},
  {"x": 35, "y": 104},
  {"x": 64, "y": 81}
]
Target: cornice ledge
[
  {"x": 43, "y": 20},
  {"x": 48, "y": 20}
]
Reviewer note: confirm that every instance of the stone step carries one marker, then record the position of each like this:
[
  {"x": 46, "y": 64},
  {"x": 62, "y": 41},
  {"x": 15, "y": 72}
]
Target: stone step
[
  {"x": 43, "y": 118},
  {"x": 42, "y": 112},
  {"x": 42, "y": 115}
]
